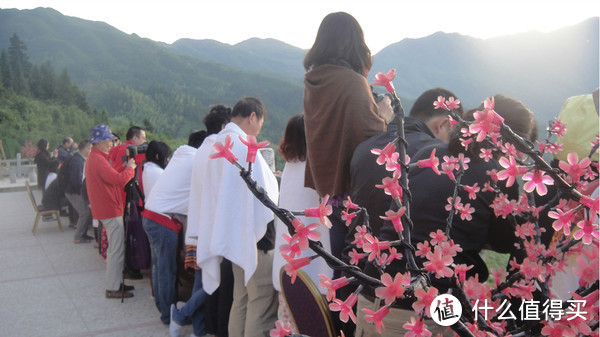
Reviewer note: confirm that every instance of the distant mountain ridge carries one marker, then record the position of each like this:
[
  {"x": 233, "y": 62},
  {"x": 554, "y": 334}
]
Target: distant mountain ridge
[
  {"x": 268, "y": 56},
  {"x": 132, "y": 77}
]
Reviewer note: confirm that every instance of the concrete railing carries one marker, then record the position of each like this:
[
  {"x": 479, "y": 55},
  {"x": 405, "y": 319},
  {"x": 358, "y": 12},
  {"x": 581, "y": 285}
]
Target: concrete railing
[{"x": 18, "y": 168}]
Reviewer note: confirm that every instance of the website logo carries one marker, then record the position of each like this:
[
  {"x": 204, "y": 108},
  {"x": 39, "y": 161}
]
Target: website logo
[{"x": 445, "y": 310}]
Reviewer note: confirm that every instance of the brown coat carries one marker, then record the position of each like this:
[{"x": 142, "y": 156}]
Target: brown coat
[{"x": 339, "y": 113}]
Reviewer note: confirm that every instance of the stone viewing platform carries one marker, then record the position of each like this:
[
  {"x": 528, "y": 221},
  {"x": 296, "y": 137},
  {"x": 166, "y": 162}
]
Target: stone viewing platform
[{"x": 50, "y": 286}]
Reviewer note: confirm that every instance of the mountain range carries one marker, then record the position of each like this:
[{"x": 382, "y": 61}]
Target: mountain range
[{"x": 172, "y": 85}]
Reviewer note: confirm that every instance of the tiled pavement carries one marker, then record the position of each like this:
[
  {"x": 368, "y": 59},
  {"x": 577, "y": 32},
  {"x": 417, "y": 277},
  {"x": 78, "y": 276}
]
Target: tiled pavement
[{"x": 52, "y": 287}]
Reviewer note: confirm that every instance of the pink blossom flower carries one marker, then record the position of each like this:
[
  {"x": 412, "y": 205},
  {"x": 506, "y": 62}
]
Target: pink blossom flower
[
  {"x": 423, "y": 248},
  {"x": 392, "y": 288},
  {"x": 592, "y": 204},
  {"x": 532, "y": 269},
  {"x": 374, "y": 246},
  {"x": 224, "y": 150},
  {"x": 486, "y": 154},
  {"x": 376, "y": 317},
  {"x": 394, "y": 255},
  {"x": 332, "y": 285},
  {"x": 437, "y": 237},
  {"x": 452, "y": 121},
  {"x": 511, "y": 170},
  {"x": 586, "y": 269},
  {"x": 291, "y": 268},
  {"x": 472, "y": 190},
  {"x": 438, "y": 264},
  {"x": 486, "y": 121},
  {"x": 498, "y": 274},
  {"x": 587, "y": 232},
  {"x": 355, "y": 256},
  {"x": 392, "y": 163},
  {"x": 321, "y": 212},
  {"x": 424, "y": 299},
  {"x": 345, "y": 307},
  {"x": 557, "y": 329},
  {"x": 460, "y": 271},
  {"x": 349, "y": 204},
  {"x": 573, "y": 167},
  {"x": 282, "y": 329},
  {"x": 348, "y": 217},
  {"x": 416, "y": 328},
  {"x": 525, "y": 230},
  {"x": 305, "y": 233},
  {"x": 291, "y": 248},
  {"x": 452, "y": 103},
  {"x": 465, "y": 142},
  {"x": 253, "y": 147},
  {"x": 440, "y": 103},
  {"x": 385, "y": 80},
  {"x": 502, "y": 206},
  {"x": 463, "y": 161},
  {"x": 432, "y": 162},
  {"x": 493, "y": 173},
  {"x": 391, "y": 187},
  {"x": 537, "y": 180},
  {"x": 563, "y": 220},
  {"x": 359, "y": 236},
  {"x": 449, "y": 248},
  {"x": 466, "y": 211},
  {"x": 457, "y": 205},
  {"x": 558, "y": 128},
  {"x": 384, "y": 154},
  {"x": 395, "y": 218}
]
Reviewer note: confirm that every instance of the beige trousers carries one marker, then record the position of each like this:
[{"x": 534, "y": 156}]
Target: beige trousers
[
  {"x": 254, "y": 309},
  {"x": 115, "y": 254}
]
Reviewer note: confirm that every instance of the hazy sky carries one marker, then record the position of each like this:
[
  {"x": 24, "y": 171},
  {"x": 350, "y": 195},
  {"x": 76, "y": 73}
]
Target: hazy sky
[{"x": 296, "y": 21}]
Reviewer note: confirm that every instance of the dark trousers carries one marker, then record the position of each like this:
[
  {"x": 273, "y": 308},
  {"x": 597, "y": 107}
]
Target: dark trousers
[{"x": 218, "y": 304}]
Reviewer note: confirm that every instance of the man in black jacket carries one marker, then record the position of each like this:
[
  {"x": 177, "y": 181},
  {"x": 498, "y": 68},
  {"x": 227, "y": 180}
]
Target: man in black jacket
[
  {"x": 425, "y": 126},
  {"x": 72, "y": 181}
]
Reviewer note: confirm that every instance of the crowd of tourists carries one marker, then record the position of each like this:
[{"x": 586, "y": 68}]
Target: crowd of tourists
[{"x": 194, "y": 215}]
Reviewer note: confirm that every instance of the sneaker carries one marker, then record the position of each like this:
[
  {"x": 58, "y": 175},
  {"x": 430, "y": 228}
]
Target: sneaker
[{"x": 174, "y": 327}]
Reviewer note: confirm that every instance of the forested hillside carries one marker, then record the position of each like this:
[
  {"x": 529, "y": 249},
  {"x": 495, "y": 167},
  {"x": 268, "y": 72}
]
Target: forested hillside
[
  {"x": 36, "y": 102},
  {"x": 137, "y": 80}
]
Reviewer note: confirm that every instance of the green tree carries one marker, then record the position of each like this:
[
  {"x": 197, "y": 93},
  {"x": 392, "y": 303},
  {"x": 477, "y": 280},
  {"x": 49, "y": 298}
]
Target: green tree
[
  {"x": 48, "y": 81},
  {"x": 5, "y": 70},
  {"x": 19, "y": 65}
]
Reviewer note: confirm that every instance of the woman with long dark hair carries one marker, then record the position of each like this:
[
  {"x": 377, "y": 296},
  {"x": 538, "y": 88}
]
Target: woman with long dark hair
[{"x": 44, "y": 161}]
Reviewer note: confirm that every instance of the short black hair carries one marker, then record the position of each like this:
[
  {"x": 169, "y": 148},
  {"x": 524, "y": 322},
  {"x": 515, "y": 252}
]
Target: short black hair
[
  {"x": 245, "y": 106},
  {"x": 66, "y": 140},
  {"x": 424, "y": 109},
  {"x": 134, "y": 131},
  {"x": 217, "y": 116},
  {"x": 196, "y": 138}
]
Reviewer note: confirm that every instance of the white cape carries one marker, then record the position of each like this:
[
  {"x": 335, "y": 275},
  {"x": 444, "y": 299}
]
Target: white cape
[{"x": 229, "y": 219}]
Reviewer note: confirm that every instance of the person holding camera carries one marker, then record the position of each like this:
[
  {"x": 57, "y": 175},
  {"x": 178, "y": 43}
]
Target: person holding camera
[
  {"x": 139, "y": 254},
  {"x": 105, "y": 191}
]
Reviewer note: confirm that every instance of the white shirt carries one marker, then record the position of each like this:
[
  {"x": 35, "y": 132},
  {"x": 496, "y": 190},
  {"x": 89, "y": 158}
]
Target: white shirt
[
  {"x": 171, "y": 191},
  {"x": 293, "y": 196},
  {"x": 229, "y": 219},
  {"x": 150, "y": 175}
]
